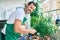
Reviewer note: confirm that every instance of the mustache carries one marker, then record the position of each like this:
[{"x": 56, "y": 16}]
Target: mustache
[{"x": 29, "y": 10}]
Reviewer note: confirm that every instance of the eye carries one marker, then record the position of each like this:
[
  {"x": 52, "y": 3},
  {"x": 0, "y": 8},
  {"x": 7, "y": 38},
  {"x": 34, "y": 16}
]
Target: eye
[{"x": 31, "y": 7}]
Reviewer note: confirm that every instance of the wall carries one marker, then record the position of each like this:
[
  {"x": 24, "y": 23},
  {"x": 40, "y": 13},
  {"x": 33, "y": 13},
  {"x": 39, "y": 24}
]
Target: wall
[{"x": 8, "y": 6}]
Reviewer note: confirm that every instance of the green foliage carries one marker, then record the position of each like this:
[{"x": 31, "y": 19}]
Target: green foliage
[{"x": 43, "y": 25}]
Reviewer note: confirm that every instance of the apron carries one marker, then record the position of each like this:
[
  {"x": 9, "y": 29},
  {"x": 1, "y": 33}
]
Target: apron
[{"x": 10, "y": 34}]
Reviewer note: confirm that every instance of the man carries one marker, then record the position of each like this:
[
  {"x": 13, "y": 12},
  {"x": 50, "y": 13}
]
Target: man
[{"x": 14, "y": 23}]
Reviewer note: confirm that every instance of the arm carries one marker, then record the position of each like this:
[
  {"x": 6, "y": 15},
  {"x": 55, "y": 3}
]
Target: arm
[{"x": 18, "y": 27}]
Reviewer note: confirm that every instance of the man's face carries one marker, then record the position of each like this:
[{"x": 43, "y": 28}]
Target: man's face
[{"x": 30, "y": 8}]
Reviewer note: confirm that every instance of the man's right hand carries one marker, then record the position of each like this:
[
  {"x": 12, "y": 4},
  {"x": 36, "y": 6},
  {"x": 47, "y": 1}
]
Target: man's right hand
[{"x": 32, "y": 31}]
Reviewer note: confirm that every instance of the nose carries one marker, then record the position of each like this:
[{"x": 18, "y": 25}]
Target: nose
[{"x": 30, "y": 9}]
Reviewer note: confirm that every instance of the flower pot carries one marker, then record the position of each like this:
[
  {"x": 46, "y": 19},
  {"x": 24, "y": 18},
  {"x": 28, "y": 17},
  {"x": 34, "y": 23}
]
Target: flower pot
[{"x": 34, "y": 38}]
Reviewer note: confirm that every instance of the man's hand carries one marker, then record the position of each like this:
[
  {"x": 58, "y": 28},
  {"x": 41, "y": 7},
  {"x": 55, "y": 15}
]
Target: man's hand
[{"x": 32, "y": 31}]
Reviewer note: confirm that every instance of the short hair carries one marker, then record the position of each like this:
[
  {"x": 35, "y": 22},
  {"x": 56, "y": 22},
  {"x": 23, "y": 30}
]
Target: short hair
[{"x": 31, "y": 3}]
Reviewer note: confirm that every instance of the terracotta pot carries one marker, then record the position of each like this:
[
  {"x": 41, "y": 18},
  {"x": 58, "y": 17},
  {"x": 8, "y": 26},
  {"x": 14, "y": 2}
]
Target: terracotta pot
[{"x": 47, "y": 37}]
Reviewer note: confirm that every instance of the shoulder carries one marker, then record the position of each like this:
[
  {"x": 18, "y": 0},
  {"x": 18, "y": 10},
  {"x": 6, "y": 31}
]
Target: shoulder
[{"x": 20, "y": 9}]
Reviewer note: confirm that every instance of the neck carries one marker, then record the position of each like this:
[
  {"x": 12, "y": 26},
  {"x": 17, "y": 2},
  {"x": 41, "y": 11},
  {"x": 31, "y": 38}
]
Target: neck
[{"x": 25, "y": 10}]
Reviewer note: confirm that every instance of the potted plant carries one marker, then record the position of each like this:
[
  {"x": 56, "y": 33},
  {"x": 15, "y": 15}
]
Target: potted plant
[{"x": 43, "y": 25}]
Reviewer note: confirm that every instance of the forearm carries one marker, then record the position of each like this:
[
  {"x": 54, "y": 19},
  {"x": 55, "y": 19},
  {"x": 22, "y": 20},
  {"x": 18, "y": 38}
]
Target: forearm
[
  {"x": 22, "y": 30},
  {"x": 25, "y": 31}
]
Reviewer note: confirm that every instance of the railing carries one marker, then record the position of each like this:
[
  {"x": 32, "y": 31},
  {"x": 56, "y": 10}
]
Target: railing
[
  {"x": 51, "y": 10},
  {"x": 57, "y": 14}
]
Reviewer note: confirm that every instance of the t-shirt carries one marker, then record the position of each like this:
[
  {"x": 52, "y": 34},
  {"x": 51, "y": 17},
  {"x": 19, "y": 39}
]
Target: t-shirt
[
  {"x": 18, "y": 14},
  {"x": 28, "y": 20}
]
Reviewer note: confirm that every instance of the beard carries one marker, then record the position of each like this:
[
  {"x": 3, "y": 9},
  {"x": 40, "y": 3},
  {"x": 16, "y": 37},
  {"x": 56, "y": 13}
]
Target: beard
[{"x": 28, "y": 11}]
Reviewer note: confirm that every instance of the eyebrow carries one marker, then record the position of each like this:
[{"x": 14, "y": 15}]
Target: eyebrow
[{"x": 32, "y": 8}]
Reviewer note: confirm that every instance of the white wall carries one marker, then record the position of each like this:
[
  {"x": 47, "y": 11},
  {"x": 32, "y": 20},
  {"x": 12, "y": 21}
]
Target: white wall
[
  {"x": 7, "y": 7},
  {"x": 11, "y": 3},
  {"x": 1, "y": 14}
]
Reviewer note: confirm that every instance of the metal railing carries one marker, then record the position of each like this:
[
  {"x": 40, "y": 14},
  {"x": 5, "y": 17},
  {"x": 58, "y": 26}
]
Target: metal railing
[
  {"x": 57, "y": 14},
  {"x": 51, "y": 10}
]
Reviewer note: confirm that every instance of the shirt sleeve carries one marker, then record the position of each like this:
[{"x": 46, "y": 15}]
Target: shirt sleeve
[{"x": 20, "y": 14}]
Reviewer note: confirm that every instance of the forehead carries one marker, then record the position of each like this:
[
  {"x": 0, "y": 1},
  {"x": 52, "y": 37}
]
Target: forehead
[{"x": 32, "y": 5}]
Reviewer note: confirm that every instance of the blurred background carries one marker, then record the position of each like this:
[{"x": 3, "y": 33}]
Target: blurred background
[{"x": 48, "y": 6}]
